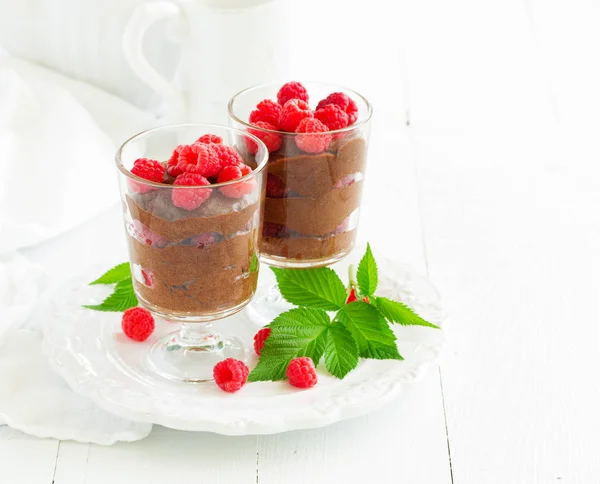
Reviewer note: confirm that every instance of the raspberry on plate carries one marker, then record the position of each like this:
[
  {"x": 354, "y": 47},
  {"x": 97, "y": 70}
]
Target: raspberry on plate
[
  {"x": 186, "y": 198},
  {"x": 233, "y": 172},
  {"x": 147, "y": 169},
  {"x": 301, "y": 372},
  {"x": 210, "y": 138},
  {"x": 332, "y": 116},
  {"x": 294, "y": 111},
  {"x": 260, "y": 338},
  {"x": 271, "y": 140},
  {"x": 309, "y": 139},
  {"x": 137, "y": 324},
  {"x": 275, "y": 187},
  {"x": 292, "y": 90},
  {"x": 230, "y": 374},
  {"x": 343, "y": 101},
  {"x": 227, "y": 156},
  {"x": 267, "y": 111}
]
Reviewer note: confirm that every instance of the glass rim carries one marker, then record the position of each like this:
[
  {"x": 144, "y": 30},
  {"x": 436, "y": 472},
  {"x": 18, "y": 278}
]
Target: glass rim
[
  {"x": 347, "y": 129},
  {"x": 259, "y": 168}
]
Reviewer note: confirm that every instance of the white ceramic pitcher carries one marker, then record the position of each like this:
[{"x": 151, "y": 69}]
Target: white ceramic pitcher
[{"x": 227, "y": 45}]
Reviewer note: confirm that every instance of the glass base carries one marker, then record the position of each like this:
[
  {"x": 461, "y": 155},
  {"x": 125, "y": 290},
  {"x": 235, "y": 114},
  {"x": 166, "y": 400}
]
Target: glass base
[{"x": 189, "y": 355}]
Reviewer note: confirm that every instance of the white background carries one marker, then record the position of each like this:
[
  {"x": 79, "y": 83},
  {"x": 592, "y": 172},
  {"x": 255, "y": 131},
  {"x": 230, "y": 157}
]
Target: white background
[{"x": 483, "y": 174}]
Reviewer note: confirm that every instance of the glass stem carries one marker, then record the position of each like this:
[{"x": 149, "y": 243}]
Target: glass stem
[{"x": 199, "y": 336}]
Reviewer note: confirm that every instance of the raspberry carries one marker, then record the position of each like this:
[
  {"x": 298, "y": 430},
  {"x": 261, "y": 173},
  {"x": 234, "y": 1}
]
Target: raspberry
[
  {"x": 271, "y": 140},
  {"x": 260, "y": 338},
  {"x": 172, "y": 165},
  {"x": 301, "y": 372},
  {"x": 233, "y": 172},
  {"x": 144, "y": 235},
  {"x": 310, "y": 142},
  {"x": 210, "y": 138},
  {"x": 343, "y": 101},
  {"x": 230, "y": 374},
  {"x": 227, "y": 156},
  {"x": 187, "y": 198},
  {"x": 199, "y": 158},
  {"x": 352, "y": 296},
  {"x": 279, "y": 231},
  {"x": 292, "y": 90},
  {"x": 294, "y": 111},
  {"x": 202, "y": 241},
  {"x": 267, "y": 111},
  {"x": 137, "y": 324},
  {"x": 147, "y": 169},
  {"x": 332, "y": 116},
  {"x": 275, "y": 187}
]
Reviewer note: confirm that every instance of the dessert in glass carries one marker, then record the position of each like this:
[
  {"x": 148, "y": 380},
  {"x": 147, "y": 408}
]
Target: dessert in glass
[
  {"x": 193, "y": 200},
  {"x": 317, "y": 136}
]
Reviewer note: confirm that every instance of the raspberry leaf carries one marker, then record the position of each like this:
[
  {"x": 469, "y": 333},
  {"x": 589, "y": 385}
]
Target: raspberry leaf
[
  {"x": 367, "y": 276},
  {"x": 297, "y": 332},
  {"x": 397, "y": 312},
  {"x": 318, "y": 288},
  {"x": 369, "y": 329},
  {"x": 341, "y": 353},
  {"x": 121, "y": 299},
  {"x": 114, "y": 275}
]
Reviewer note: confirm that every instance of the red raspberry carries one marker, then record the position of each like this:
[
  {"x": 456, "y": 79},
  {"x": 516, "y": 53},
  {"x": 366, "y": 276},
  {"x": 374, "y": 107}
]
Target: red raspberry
[
  {"x": 147, "y": 169},
  {"x": 210, "y": 138},
  {"x": 260, "y": 338},
  {"x": 271, "y": 140},
  {"x": 146, "y": 236},
  {"x": 172, "y": 165},
  {"x": 230, "y": 374},
  {"x": 301, "y": 372},
  {"x": 137, "y": 324},
  {"x": 275, "y": 187},
  {"x": 233, "y": 172},
  {"x": 332, "y": 116},
  {"x": 292, "y": 90},
  {"x": 199, "y": 158},
  {"x": 352, "y": 296},
  {"x": 267, "y": 111},
  {"x": 228, "y": 156},
  {"x": 190, "y": 199},
  {"x": 279, "y": 231},
  {"x": 343, "y": 101},
  {"x": 308, "y": 140},
  {"x": 202, "y": 241},
  {"x": 294, "y": 111}
]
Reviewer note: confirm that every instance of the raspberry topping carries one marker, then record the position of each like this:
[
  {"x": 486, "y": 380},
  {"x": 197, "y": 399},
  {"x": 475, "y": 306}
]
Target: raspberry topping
[
  {"x": 267, "y": 111},
  {"x": 294, "y": 111},
  {"x": 332, "y": 116},
  {"x": 210, "y": 138},
  {"x": 230, "y": 374},
  {"x": 301, "y": 372},
  {"x": 309, "y": 139},
  {"x": 199, "y": 158},
  {"x": 343, "y": 101},
  {"x": 271, "y": 229},
  {"x": 233, "y": 172},
  {"x": 147, "y": 169},
  {"x": 227, "y": 156},
  {"x": 275, "y": 187},
  {"x": 260, "y": 338},
  {"x": 292, "y": 90},
  {"x": 173, "y": 163},
  {"x": 271, "y": 140},
  {"x": 190, "y": 199},
  {"x": 137, "y": 324}
]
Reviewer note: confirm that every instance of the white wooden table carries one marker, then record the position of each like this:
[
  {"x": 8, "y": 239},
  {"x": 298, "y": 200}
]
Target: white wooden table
[{"x": 485, "y": 147}]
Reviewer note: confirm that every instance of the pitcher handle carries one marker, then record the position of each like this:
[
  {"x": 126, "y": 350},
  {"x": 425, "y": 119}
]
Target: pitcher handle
[{"x": 143, "y": 17}]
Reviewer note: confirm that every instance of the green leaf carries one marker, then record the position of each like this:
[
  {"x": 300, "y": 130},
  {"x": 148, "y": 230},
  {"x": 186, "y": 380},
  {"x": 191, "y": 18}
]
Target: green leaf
[
  {"x": 297, "y": 332},
  {"x": 114, "y": 275},
  {"x": 373, "y": 336},
  {"x": 121, "y": 299},
  {"x": 397, "y": 312},
  {"x": 341, "y": 353},
  {"x": 312, "y": 288},
  {"x": 366, "y": 275}
]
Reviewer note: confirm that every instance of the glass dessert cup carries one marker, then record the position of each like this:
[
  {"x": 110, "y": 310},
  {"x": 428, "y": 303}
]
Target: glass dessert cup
[
  {"x": 313, "y": 191},
  {"x": 197, "y": 262}
]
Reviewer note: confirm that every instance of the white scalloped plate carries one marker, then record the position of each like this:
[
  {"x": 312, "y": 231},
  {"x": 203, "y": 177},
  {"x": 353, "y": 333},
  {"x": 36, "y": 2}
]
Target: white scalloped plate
[{"x": 89, "y": 351}]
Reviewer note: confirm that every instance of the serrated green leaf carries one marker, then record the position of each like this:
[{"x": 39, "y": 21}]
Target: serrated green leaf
[
  {"x": 373, "y": 336},
  {"x": 341, "y": 353},
  {"x": 367, "y": 276},
  {"x": 114, "y": 275},
  {"x": 121, "y": 299},
  {"x": 297, "y": 332},
  {"x": 397, "y": 312},
  {"x": 312, "y": 288}
]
